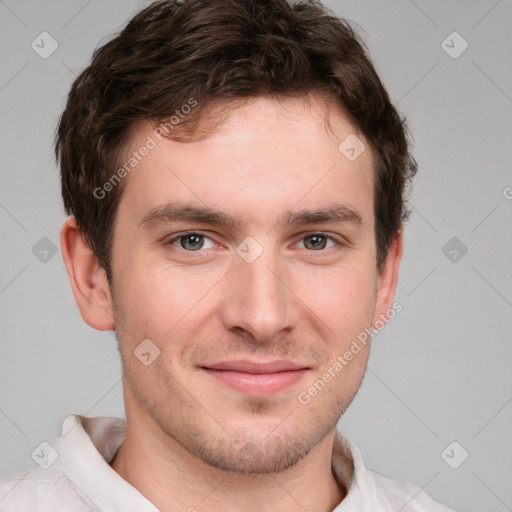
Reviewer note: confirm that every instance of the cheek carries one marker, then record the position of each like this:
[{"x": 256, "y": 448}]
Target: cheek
[
  {"x": 343, "y": 299},
  {"x": 155, "y": 301}
]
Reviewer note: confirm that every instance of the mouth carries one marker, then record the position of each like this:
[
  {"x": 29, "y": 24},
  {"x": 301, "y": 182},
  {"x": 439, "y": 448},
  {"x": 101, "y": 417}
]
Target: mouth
[{"x": 257, "y": 378}]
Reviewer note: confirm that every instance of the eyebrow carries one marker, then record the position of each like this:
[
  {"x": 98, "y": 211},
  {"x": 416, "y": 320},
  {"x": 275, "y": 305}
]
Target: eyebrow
[{"x": 175, "y": 212}]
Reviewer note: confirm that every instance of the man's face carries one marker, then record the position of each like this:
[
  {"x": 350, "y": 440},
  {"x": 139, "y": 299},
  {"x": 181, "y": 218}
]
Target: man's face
[{"x": 228, "y": 298}]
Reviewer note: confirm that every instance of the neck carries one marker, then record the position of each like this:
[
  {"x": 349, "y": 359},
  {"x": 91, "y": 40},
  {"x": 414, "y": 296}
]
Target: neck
[{"x": 175, "y": 480}]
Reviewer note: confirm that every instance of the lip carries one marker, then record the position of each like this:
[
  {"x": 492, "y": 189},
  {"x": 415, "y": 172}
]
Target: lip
[
  {"x": 257, "y": 378},
  {"x": 247, "y": 366}
]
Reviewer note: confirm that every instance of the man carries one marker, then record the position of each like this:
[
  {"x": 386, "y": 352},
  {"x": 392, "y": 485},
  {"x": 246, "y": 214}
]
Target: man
[{"x": 235, "y": 175}]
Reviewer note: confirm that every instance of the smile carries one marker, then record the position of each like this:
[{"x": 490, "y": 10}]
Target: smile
[{"x": 257, "y": 379}]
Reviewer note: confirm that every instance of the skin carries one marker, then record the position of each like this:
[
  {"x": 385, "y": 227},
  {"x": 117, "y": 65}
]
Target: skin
[{"x": 192, "y": 441}]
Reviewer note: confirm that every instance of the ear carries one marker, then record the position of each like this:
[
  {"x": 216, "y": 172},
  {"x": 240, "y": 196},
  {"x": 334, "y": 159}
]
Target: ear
[
  {"x": 88, "y": 280},
  {"x": 387, "y": 281}
]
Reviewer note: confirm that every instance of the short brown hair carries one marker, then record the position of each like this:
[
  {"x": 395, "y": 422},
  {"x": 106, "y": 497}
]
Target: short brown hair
[{"x": 175, "y": 50}]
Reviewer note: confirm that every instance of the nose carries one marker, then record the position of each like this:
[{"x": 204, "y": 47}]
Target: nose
[{"x": 259, "y": 301}]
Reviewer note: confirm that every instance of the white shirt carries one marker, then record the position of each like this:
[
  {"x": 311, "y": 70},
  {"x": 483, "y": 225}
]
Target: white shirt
[{"x": 80, "y": 479}]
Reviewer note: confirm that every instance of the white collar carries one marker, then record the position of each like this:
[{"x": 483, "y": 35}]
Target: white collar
[{"x": 89, "y": 444}]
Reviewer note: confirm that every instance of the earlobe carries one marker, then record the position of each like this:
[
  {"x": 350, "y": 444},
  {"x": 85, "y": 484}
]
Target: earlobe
[
  {"x": 88, "y": 280},
  {"x": 387, "y": 281}
]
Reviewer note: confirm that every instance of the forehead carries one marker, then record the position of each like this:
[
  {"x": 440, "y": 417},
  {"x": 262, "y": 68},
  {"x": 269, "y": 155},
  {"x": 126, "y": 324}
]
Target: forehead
[{"x": 267, "y": 157}]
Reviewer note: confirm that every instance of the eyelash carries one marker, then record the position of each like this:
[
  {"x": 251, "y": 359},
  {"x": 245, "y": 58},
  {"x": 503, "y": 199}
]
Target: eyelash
[{"x": 184, "y": 234}]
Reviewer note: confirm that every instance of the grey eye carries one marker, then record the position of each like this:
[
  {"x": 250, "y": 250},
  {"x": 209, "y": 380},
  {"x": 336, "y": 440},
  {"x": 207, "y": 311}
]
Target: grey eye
[
  {"x": 192, "y": 242},
  {"x": 315, "y": 242}
]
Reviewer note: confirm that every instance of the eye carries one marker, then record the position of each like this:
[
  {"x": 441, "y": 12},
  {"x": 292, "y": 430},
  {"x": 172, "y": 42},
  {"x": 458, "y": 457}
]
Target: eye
[
  {"x": 191, "y": 241},
  {"x": 318, "y": 241}
]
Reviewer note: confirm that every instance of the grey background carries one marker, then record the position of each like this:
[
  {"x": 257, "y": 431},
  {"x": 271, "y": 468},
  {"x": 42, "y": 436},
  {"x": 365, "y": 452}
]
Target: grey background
[{"x": 439, "y": 372}]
